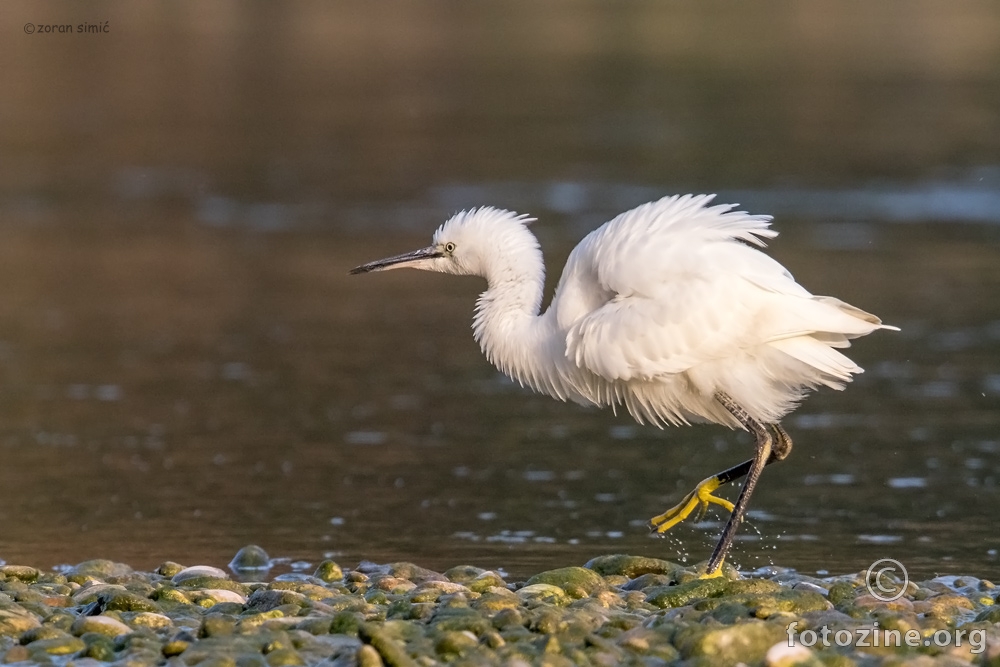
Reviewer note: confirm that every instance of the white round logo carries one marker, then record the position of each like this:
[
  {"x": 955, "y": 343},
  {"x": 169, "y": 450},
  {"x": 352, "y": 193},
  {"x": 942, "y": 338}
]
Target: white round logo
[{"x": 886, "y": 579}]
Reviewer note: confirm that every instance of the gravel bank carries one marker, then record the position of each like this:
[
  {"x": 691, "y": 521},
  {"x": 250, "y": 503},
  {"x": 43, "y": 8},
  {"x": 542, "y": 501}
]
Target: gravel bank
[{"x": 615, "y": 610}]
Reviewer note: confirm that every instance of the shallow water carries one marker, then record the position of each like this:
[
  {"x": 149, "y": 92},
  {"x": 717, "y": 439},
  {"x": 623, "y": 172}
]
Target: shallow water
[{"x": 185, "y": 366}]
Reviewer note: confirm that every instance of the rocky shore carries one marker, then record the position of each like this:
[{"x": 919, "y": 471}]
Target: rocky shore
[{"x": 614, "y": 610}]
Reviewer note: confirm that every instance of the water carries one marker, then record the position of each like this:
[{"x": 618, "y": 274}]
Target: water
[{"x": 185, "y": 366}]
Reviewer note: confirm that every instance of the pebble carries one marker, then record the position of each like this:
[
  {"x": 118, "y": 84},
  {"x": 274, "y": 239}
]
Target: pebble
[
  {"x": 102, "y": 625},
  {"x": 617, "y": 609}
]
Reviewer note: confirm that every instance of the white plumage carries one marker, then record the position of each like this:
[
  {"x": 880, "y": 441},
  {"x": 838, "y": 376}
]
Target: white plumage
[
  {"x": 657, "y": 310},
  {"x": 662, "y": 310}
]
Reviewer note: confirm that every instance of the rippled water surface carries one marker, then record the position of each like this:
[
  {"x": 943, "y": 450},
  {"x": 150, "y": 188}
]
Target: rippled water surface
[{"x": 186, "y": 367}]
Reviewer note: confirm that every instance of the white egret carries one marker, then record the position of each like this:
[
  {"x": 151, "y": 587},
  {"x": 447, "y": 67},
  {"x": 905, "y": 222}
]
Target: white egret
[{"x": 669, "y": 310}]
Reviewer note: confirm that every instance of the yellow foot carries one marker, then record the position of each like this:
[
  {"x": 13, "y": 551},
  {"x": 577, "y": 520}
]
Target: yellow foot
[
  {"x": 712, "y": 575},
  {"x": 700, "y": 498}
]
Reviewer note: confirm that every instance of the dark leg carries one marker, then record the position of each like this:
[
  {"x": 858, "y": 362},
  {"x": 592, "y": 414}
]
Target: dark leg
[
  {"x": 702, "y": 496},
  {"x": 762, "y": 456},
  {"x": 781, "y": 446}
]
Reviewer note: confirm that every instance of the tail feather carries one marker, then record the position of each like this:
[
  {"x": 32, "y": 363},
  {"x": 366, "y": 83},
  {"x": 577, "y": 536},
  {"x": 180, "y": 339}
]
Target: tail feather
[{"x": 835, "y": 368}]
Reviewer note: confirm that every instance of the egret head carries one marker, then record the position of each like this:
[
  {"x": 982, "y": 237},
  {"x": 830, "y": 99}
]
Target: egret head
[{"x": 469, "y": 243}]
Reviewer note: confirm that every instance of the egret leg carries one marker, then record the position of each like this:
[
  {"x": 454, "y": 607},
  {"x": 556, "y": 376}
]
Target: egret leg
[
  {"x": 762, "y": 455},
  {"x": 702, "y": 496},
  {"x": 772, "y": 444}
]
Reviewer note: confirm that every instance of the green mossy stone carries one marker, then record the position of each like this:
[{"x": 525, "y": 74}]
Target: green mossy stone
[
  {"x": 508, "y": 618},
  {"x": 375, "y": 596},
  {"x": 60, "y": 618},
  {"x": 631, "y": 566},
  {"x": 367, "y": 656},
  {"x": 99, "y": 569},
  {"x": 414, "y": 573},
  {"x": 175, "y": 647},
  {"x": 329, "y": 571},
  {"x": 345, "y": 623},
  {"x": 64, "y": 645},
  {"x": 765, "y": 605},
  {"x": 214, "y": 582},
  {"x": 685, "y": 594},
  {"x": 42, "y": 632},
  {"x": 217, "y": 625},
  {"x": 841, "y": 593},
  {"x": 15, "y": 623},
  {"x": 392, "y": 652},
  {"x": 460, "y": 619},
  {"x": 648, "y": 580},
  {"x": 22, "y": 573},
  {"x": 543, "y": 593},
  {"x": 284, "y": 657},
  {"x": 98, "y": 647},
  {"x": 311, "y": 591},
  {"x": 148, "y": 620},
  {"x": 171, "y": 595},
  {"x": 729, "y": 613},
  {"x": 494, "y": 602},
  {"x": 455, "y": 643},
  {"x": 125, "y": 601},
  {"x": 265, "y": 600},
  {"x": 102, "y": 625},
  {"x": 169, "y": 569},
  {"x": 756, "y": 586},
  {"x": 315, "y": 625},
  {"x": 577, "y": 582},
  {"x": 948, "y": 605},
  {"x": 231, "y": 608},
  {"x": 402, "y": 631},
  {"x": 463, "y": 574},
  {"x": 746, "y": 642}
]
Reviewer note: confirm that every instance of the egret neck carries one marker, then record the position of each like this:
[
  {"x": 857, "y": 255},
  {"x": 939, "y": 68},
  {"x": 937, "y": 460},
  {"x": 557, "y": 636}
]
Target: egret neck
[{"x": 507, "y": 325}]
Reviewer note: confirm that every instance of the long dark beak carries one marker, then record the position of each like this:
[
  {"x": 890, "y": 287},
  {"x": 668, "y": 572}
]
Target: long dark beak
[{"x": 398, "y": 261}]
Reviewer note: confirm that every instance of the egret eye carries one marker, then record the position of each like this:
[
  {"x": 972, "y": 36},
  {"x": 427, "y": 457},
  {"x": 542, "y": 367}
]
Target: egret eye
[{"x": 449, "y": 247}]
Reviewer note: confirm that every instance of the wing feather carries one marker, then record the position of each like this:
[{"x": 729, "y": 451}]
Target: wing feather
[{"x": 677, "y": 283}]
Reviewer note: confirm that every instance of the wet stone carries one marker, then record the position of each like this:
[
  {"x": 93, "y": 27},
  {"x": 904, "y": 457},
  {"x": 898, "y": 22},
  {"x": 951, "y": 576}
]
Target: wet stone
[
  {"x": 148, "y": 620},
  {"x": 125, "y": 601},
  {"x": 65, "y": 644},
  {"x": 217, "y": 625},
  {"x": 648, "y": 580},
  {"x": 577, "y": 582},
  {"x": 99, "y": 569},
  {"x": 206, "y": 583},
  {"x": 631, "y": 566},
  {"x": 567, "y": 616},
  {"x": 544, "y": 593},
  {"x": 22, "y": 573},
  {"x": 210, "y": 597},
  {"x": 329, "y": 571},
  {"x": 99, "y": 647},
  {"x": 414, "y": 573},
  {"x": 685, "y": 594},
  {"x": 102, "y": 625},
  {"x": 199, "y": 572},
  {"x": 169, "y": 569},
  {"x": 250, "y": 558},
  {"x": 15, "y": 623}
]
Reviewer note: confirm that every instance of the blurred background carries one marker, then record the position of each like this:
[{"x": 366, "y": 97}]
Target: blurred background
[{"x": 185, "y": 366}]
